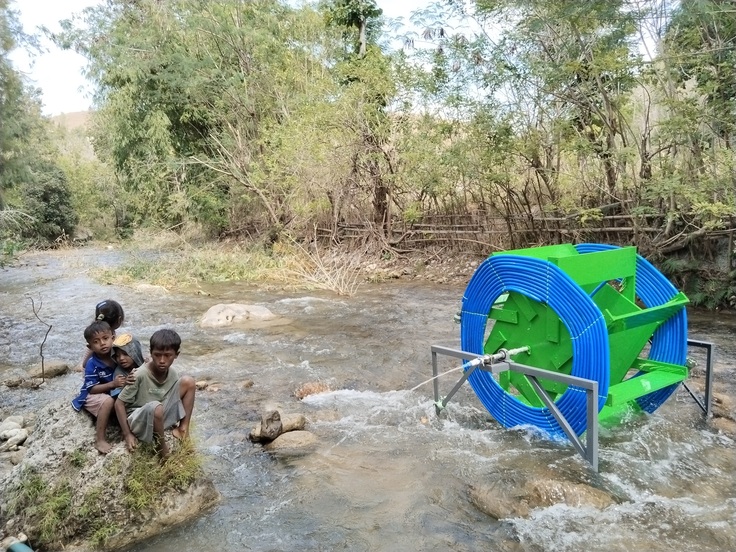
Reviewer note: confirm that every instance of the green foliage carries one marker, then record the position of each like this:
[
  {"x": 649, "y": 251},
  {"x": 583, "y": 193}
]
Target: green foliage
[
  {"x": 47, "y": 199},
  {"x": 102, "y": 533},
  {"x": 712, "y": 292},
  {"x": 590, "y": 216},
  {"x": 412, "y": 214},
  {"x": 699, "y": 38},
  {"x": 32, "y": 487},
  {"x": 102, "y": 206},
  {"x": 357, "y": 19},
  {"x": 705, "y": 285},
  {"x": 78, "y": 458},
  {"x": 27, "y": 174},
  {"x": 42, "y": 507},
  {"x": 188, "y": 266},
  {"x": 148, "y": 480},
  {"x": 8, "y": 250},
  {"x": 53, "y": 511}
]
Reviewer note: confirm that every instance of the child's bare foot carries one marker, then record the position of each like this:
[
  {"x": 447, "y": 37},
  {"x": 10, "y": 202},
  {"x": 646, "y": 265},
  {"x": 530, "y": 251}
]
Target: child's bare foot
[
  {"x": 180, "y": 433},
  {"x": 103, "y": 446},
  {"x": 163, "y": 453}
]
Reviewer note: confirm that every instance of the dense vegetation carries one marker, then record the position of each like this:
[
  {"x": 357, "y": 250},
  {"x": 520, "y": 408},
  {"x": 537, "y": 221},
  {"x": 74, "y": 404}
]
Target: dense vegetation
[{"x": 260, "y": 118}]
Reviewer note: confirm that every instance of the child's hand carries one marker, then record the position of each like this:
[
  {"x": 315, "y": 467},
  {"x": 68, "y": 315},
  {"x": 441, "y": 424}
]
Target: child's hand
[
  {"x": 130, "y": 378},
  {"x": 131, "y": 442},
  {"x": 119, "y": 381}
]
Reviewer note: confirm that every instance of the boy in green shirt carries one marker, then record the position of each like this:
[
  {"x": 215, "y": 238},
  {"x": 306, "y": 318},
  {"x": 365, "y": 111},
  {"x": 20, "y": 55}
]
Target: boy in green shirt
[{"x": 159, "y": 398}]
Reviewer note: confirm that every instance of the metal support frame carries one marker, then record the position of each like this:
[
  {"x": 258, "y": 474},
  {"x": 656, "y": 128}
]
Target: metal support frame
[
  {"x": 589, "y": 450},
  {"x": 707, "y": 402}
]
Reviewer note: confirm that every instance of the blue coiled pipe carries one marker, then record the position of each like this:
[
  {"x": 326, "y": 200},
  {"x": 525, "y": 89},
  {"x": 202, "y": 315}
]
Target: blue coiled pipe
[
  {"x": 543, "y": 282},
  {"x": 669, "y": 342}
]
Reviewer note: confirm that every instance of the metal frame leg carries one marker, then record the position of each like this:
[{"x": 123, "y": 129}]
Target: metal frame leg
[{"x": 706, "y": 404}]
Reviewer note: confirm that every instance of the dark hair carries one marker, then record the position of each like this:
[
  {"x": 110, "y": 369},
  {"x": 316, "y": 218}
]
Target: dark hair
[
  {"x": 96, "y": 327},
  {"x": 111, "y": 312},
  {"x": 165, "y": 339}
]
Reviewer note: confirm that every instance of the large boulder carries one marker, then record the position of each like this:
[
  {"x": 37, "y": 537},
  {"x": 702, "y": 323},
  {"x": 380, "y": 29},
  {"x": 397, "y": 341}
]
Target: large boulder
[
  {"x": 235, "y": 313},
  {"x": 512, "y": 497},
  {"x": 128, "y": 497}
]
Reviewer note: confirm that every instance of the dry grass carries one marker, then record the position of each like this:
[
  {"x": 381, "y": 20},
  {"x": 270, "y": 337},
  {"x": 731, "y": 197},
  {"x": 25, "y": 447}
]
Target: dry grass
[{"x": 338, "y": 271}]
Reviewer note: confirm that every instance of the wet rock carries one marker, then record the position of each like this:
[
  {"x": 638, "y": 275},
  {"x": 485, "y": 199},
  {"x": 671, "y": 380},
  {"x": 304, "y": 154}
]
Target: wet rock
[
  {"x": 16, "y": 457},
  {"x": 271, "y": 425},
  {"x": 8, "y": 425},
  {"x": 51, "y": 369},
  {"x": 293, "y": 443},
  {"x": 289, "y": 422},
  {"x": 509, "y": 498},
  {"x": 13, "y": 438},
  {"x": 724, "y": 406},
  {"x": 232, "y": 313},
  {"x": 499, "y": 500},
  {"x": 724, "y": 425},
  {"x": 547, "y": 493},
  {"x": 20, "y": 420},
  {"x": 13, "y": 377},
  {"x": 311, "y": 388}
]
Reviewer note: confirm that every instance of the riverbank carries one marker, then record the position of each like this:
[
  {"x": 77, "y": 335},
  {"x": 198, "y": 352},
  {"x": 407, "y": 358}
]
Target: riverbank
[{"x": 168, "y": 261}]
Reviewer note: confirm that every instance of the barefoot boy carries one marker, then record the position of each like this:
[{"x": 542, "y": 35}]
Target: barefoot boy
[
  {"x": 158, "y": 399},
  {"x": 94, "y": 396}
]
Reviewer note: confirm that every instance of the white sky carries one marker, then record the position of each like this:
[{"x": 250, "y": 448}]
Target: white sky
[{"x": 59, "y": 73}]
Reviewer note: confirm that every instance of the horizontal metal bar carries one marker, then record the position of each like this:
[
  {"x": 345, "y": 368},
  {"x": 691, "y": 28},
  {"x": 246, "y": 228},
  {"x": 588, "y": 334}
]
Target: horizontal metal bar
[
  {"x": 456, "y": 353},
  {"x": 540, "y": 373}
]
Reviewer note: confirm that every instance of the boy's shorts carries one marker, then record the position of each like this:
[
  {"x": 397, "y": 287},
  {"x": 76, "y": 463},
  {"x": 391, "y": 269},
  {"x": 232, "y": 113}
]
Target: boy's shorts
[
  {"x": 94, "y": 402},
  {"x": 141, "y": 419}
]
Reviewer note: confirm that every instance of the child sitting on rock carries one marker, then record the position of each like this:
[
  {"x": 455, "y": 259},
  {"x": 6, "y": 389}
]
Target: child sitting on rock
[
  {"x": 158, "y": 399},
  {"x": 94, "y": 396},
  {"x": 128, "y": 356},
  {"x": 109, "y": 311}
]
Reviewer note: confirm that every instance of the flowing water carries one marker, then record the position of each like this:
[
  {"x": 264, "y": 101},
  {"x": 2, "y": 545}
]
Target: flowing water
[{"x": 388, "y": 473}]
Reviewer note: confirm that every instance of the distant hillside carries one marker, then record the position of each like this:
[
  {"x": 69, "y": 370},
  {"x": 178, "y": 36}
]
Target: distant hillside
[{"x": 72, "y": 120}]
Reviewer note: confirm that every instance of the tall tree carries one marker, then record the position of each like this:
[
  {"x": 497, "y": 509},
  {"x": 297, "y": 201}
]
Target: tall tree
[
  {"x": 30, "y": 179},
  {"x": 364, "y": 73}
]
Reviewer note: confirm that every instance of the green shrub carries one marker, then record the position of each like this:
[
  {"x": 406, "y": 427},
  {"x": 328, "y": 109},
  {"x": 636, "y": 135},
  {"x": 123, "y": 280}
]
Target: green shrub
[{"x": 48, "y": 200}]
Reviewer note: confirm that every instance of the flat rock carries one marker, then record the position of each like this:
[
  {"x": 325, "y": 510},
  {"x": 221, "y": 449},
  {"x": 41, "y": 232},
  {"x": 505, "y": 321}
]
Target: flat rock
[
  {"x": 293, "y": 443},
  {"x": 51, "y": 369}
]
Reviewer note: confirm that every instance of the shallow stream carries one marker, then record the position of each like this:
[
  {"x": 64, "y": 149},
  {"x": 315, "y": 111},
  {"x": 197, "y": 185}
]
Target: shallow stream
[{"x": 388, "y": 473}]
